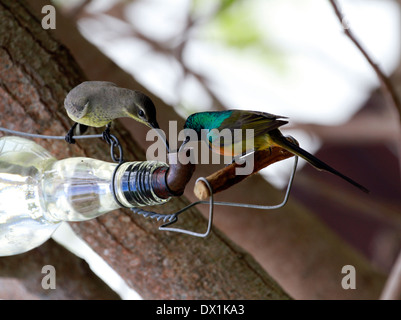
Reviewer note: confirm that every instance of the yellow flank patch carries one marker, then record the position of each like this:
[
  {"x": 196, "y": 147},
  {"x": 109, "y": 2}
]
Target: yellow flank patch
[
  {"x": 89, "y": 121},
  {"x": 244, "y": 146}
]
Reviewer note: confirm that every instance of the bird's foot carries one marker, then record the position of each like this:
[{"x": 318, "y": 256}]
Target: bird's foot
[
  {"x": 107, "y": 135},
  {"x": 82, "y": 128},
  {"x": 240, "y": 159},
  {"x": 69, "y": 136},
  {"x": 235, "y": 160}
]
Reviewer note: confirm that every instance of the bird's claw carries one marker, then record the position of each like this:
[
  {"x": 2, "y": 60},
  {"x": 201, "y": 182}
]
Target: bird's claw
[
  {"x": 239, "y": 159},
  {"x": 236, "y": 160},
  {"x": 106, "y": 136},
  {"x": 69, "y": 136}
]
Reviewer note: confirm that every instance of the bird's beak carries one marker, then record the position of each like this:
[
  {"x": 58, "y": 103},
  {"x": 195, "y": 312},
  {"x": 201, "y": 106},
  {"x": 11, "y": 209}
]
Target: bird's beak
[
  {"x": 154, "y": 125},
  {"x": 187, "y": 139}
]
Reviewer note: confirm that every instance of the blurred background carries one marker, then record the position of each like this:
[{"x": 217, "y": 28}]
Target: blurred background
[{"x": 287, "y": 57}]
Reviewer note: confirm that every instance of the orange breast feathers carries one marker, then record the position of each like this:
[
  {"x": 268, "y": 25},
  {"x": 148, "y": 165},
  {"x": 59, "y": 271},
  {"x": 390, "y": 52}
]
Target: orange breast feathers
[{"x": 239, "y": 144}]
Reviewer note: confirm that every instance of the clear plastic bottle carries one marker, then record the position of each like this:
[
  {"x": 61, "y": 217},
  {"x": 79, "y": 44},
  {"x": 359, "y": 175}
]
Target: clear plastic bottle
[{"x": 38, "y": 192}]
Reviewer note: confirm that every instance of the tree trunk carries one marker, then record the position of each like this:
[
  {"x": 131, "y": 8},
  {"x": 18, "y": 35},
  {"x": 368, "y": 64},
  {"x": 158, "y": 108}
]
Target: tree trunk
[
  {"x": 292, "y": 244},
  {"x": 36, "y": 74},
  {"x": 22, "y": 276}
]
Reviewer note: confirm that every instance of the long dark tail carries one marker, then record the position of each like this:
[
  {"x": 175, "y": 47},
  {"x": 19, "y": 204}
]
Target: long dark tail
[{"x": 279, "y": 139}]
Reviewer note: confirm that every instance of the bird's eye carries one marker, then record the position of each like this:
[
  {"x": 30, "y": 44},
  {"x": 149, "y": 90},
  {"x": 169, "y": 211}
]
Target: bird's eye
[{"x": 141, "y": 113}]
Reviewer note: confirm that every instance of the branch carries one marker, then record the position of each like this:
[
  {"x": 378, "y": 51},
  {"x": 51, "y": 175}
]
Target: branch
[
  {"x": 388, "y": 89},
  {"x": 292, "y": 237},
  {"x": 227, "y": 177},
  {"x": 74, "y": 278},
  {"x": 157, "y": 264},
  {"x": 392, "y": 288}
]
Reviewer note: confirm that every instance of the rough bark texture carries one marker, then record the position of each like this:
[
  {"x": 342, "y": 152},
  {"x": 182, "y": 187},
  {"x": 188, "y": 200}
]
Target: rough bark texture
[
  {"x": 36, "y": 74},
  {"x": 292, "y": 244},
  {"x": 294, "y": 247},
  {"x": 21, "y": 276}
]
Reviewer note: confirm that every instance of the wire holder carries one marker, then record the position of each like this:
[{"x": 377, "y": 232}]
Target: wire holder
[{"x": 171, "y": 218}]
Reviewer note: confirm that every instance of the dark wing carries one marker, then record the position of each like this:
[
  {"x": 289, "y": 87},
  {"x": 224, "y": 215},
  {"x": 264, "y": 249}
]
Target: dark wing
[
  {"x": 77, "y": 101},
  {"x": 75, "y": 108},
  {"x": 260, "y": 122}
]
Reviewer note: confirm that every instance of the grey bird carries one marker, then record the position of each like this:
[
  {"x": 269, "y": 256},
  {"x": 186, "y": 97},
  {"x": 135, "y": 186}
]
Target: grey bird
[{"x": 97, "y": 103}]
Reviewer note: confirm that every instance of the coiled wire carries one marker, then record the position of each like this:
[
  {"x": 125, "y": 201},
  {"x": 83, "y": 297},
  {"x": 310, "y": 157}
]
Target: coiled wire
[{"x": 171, "y": 218}]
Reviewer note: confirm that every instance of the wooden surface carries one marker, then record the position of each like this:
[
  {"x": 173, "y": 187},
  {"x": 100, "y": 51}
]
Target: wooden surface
[
  {"x": 300, "y": 252},
  {"x": 295, "y": 247},
  {"x": 227, "y": 177},
  {"x": 36, "y": 74}
]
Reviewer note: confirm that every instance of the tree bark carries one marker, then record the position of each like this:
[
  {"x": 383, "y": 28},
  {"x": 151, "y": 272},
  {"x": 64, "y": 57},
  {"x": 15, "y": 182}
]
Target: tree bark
[
  {"x": 292, "y": 244},
  {"x": 36, "y": 74},
  {"x": 301, "y": 253},
  {"x": 22, "y": 276}
]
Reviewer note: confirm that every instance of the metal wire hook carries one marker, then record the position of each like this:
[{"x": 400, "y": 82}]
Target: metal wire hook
[
  {"x": 173, "y": 218},
  {"x": 210, "y": 221},
  {"x": 266, "y": 207},
  {"x": 113, "y": 144}
]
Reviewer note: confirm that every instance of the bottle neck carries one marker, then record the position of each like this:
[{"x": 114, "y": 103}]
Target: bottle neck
[
  {"x": 77, "y": 189},
  {"x": 73, "y": 189},
  {"x": 138, "y": 184}
]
